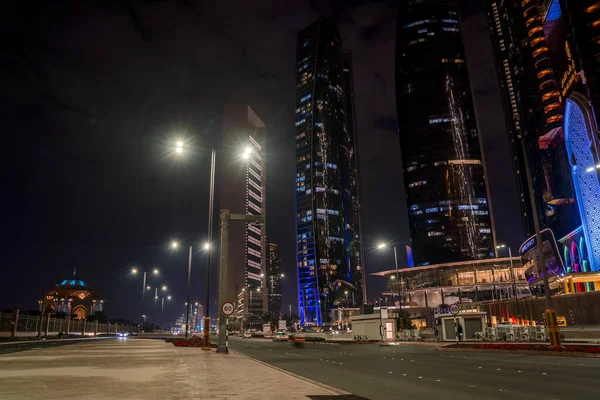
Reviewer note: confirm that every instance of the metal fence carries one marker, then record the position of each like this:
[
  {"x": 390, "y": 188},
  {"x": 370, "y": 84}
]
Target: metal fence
[{"x": 29, "y": 325}]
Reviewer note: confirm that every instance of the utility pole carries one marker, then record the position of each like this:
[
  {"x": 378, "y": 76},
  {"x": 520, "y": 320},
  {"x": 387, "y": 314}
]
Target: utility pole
[
  {"x": 551, "y": 323},
  {"x": 223, "y": 259}
]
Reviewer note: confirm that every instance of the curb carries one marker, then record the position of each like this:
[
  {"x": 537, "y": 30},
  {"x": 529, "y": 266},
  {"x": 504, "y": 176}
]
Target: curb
[
  {"x": 320, "y": 385},
  {"x": 529, "y": 352}
]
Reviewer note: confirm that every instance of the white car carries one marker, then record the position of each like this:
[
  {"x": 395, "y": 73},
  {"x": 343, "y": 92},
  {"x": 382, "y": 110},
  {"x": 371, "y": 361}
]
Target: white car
[
  {"x": 280, "y": 336},
  {"x": 247, "y": 335}
]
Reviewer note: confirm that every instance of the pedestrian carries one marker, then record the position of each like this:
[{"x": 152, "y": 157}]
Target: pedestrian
[
  {"x": 459, "y": 330},
  {"x": 436, "y": 332}
]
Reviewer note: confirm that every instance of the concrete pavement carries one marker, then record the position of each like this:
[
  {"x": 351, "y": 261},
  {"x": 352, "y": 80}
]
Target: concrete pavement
[
  {"x": 417, "y": 371},
  {"x": 144, "y": 369}
]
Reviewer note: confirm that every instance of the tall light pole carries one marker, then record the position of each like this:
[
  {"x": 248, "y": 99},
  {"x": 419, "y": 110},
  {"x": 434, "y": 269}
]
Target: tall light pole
[
  {"x": 175, "y": 245},
  {"x": 550, "y": 313},
  {"x": 135, "y": 271},
  {"x": 383, "y": 246},
  {"x": 211, "y": 202}
]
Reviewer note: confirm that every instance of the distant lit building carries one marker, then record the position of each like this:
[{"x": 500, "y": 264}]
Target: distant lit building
[
  {"x": 242, "y": 190},
  {"x": 329, "y": 248},
  {"x": 552, "y": 50},
  {"x": 444, "y": 172},
  {"x": 274, "y": 279},
  {"x": 441, "y": 285},
  {"x": 74, "y": 298}
]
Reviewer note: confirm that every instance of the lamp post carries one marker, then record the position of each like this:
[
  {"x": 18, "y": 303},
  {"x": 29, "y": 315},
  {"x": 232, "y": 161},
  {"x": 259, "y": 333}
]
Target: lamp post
[
  {"x": 383, "y": 246},
  {"x": 175, "y": 245},
  {"x": 211, "y": 202},
  {"x": 550, "y": 313},
  {"x": 134, "y": 271},
  {"x": 512, "y": 271}
]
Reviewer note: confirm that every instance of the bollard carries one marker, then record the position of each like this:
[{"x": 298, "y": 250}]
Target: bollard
[{"x": 15, "y": 322}]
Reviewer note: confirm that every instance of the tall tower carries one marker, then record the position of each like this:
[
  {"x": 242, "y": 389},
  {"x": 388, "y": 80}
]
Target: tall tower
[
  {"x": 242, "y": 191},
  {"x": 274, "y": 279},
  {"x": 327, "y": 192},
  {"x": 441, "y": 151}
]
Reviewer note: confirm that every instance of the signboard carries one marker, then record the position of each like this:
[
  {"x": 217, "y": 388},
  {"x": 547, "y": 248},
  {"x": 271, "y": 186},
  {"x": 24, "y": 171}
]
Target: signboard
[
  {"x": 561, "y": 321},
  {"x": 227, "y": 308},
  {"x": 282, "y": 325},
  {"x": 454, "y": 309}
]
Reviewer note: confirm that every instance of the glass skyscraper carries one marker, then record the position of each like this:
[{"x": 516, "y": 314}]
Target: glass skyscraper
[
  {"x": 441, "y": 152},
  {"x": 327, "y": 185}
]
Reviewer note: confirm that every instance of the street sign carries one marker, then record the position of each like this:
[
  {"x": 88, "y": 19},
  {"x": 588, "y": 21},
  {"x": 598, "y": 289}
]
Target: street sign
[
  {"x": 227, "y": 308},
  {"x": 454, "y": 309}
]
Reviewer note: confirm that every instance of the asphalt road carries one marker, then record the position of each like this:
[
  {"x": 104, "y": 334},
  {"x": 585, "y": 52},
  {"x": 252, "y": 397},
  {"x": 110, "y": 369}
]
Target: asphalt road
[{"x": 416, "y": 371}]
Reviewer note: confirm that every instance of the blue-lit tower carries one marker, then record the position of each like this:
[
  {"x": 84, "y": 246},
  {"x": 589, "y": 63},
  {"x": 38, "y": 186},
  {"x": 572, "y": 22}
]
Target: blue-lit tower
[{"x": 327, "y": 196}]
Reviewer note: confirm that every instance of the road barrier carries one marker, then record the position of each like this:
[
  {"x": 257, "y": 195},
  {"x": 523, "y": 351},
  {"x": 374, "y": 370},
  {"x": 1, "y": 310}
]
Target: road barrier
[{"x": 28, "y": 325}]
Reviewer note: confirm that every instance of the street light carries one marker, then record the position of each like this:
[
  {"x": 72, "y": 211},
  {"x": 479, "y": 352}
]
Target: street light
[
  {"x": 211, "y": 202},
  {"x": 512, "y": 272},
  {"x": 134, "y": 271},
  {"x": 383, "y": 246},
  {"x": 175, "y": 245}
]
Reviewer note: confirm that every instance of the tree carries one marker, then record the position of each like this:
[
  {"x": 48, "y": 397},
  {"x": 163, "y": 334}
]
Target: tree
[{"x": 404, "y": 321}]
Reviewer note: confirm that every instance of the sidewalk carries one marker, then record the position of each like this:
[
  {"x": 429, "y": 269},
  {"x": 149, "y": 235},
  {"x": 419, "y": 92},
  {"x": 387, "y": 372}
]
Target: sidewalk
[{"x": 144, "y": 369}]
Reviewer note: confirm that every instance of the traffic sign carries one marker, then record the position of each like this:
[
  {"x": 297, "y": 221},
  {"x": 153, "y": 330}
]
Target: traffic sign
[
  {"x": 454, "y": 309},
  {"x": 227, "y": 308}
]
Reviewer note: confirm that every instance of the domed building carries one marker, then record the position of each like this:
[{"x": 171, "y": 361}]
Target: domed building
[{"x": 73, "y": 297}]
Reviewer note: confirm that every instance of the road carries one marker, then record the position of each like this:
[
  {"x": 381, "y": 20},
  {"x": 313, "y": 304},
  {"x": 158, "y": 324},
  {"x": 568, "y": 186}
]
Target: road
[{"x": 417, "y": 371}]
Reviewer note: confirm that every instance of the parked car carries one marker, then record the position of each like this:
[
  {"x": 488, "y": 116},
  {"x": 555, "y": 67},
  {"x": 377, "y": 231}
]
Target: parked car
[
  {"x": 280, "y": 336},
  {"x": 247, "y": 335}
]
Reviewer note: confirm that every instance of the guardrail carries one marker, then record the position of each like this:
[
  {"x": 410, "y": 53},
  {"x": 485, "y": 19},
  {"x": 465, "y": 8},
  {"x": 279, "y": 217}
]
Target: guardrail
[{"x": 28, "y": 325}]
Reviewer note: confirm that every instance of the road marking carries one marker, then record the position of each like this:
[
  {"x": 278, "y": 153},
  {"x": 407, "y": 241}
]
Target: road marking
[
  {"x": 519, "y": 371},
  {"x": 480, "y": 367},
  {"x": 498, "y": 369},
  {"x": 403, "y": 374},
  {"x": 390, "y": 372},
  {"x": 472, "y": 386},
  {"x": 439, "y": 380},
  {"x": 420, "y": 377},
  {"x": 543, "y": 373}
]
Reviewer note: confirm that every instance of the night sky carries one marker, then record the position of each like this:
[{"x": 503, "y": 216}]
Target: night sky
[{"x": 94, "y": 96}]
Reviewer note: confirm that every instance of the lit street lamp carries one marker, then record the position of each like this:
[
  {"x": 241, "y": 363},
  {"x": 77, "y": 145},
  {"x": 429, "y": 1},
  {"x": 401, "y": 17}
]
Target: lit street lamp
[
  {"x": 383, "y": 246},
  {"x": 175, "y": 245},
  {"x": 211, "y": 202},
  {"x": 512, "y": 272},
  {"x": 135, "y": 271}
]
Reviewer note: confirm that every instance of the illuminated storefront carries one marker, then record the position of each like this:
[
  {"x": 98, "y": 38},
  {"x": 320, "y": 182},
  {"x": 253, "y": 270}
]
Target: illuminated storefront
[{"x": 440, "y": 285}]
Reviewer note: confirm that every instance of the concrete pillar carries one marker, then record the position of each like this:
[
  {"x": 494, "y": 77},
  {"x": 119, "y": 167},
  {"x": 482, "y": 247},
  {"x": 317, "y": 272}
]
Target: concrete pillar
[
  {"x": 68, "y": 324},
  {"x": 47, "y": 329},
  {"x": 15, "y": 322},
  {"x": 571, "y": 286},
  {"x": 566, "y": 286}
]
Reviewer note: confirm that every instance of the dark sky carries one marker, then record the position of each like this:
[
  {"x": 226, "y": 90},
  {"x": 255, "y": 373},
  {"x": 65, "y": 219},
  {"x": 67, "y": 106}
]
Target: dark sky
[{"x": 95, "y": 94}]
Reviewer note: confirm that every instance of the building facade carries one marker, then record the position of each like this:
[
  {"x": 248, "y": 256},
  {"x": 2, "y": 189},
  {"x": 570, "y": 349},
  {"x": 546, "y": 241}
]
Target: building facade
[
  {"x": 329, "y": 256},
  {"x": 74, "y": 298},
  {"x": 242, "y": 190},
  {"x": 446, "y": 192},
  {"x": 552, "y": 51},
  {"x": 274, "y": 276}
]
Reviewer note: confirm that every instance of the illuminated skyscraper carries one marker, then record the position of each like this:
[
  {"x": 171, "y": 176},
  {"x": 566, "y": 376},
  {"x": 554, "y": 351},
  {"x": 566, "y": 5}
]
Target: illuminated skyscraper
[
  {"x": 327, "y": 185},
  {"x": 274, "y": 279},
  {"x": 441, "y": 151},
  {"x": 242, "y": 191}
]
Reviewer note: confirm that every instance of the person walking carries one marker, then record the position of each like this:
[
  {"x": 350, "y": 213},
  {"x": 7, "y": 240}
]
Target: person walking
[{"x": 459, "y": 330}]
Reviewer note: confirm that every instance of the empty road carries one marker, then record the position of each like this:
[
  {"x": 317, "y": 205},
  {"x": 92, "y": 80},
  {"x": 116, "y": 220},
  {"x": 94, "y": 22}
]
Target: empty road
[{"x": 418, "y": 371}]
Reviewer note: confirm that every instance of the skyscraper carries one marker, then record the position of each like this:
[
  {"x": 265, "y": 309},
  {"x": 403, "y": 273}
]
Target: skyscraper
[
  {"x": 552, "y": 47},
  {"x": 242, "y": 191},
  {"x": 274, "y": 279},
  {"x": 443, "y": 166},
  {"x": 327, "y": 192}
]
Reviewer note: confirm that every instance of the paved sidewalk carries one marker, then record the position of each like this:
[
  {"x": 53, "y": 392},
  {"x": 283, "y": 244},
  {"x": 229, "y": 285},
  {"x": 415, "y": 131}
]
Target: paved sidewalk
[{"x": 144, "y": 369}]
